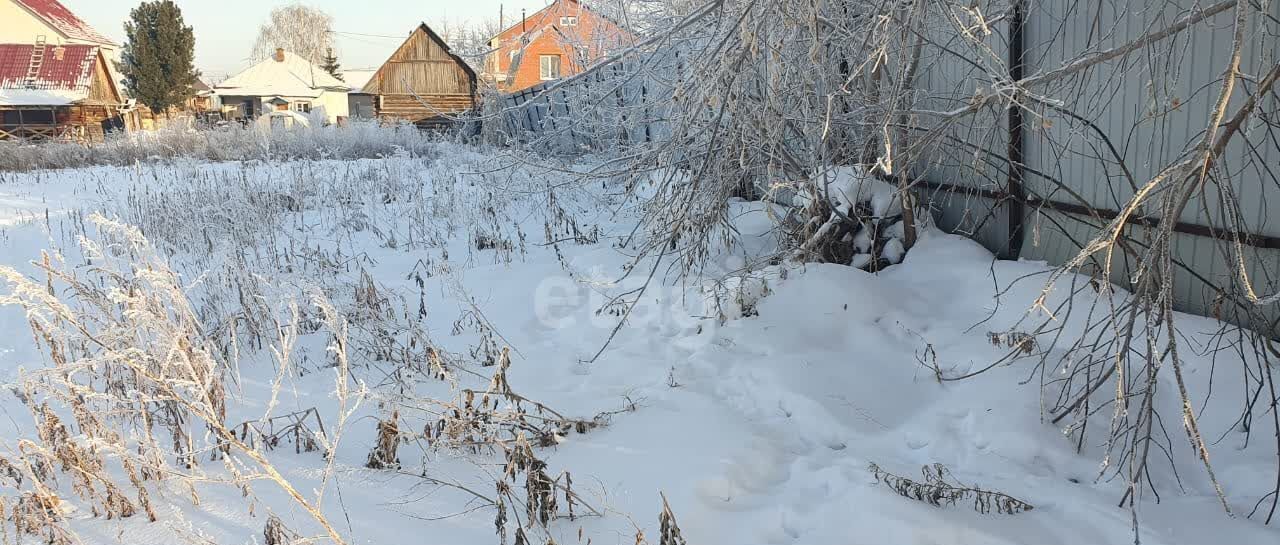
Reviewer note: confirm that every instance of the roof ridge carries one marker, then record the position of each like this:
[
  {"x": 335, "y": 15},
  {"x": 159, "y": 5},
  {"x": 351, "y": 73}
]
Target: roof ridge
[{"x": 63, "y": 20}]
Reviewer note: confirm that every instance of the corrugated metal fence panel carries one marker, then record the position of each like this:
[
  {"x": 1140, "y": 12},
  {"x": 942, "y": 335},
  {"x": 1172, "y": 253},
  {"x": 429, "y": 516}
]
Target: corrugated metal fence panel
[
  {"x": 1152, "y": 106},
  {"x": 607, "y": 107},
  {"x": 1129, "y": 117},
  {"x": 969, "y": 152}
]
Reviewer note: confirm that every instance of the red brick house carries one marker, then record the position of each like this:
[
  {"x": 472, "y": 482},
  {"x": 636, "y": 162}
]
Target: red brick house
[{"x": 557, "y": 41}]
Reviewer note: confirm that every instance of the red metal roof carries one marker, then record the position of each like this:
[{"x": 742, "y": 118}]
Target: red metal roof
[
  {"x": 61, "y": 19},
  {"x": 70, "y": 69}
]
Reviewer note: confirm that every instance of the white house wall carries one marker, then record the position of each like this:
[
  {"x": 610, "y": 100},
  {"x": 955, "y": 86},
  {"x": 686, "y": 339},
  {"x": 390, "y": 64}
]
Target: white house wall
[{"x": 334, "y": 103}]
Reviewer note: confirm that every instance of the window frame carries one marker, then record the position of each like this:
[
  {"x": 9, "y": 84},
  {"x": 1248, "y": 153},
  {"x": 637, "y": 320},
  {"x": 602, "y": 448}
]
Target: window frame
[
  {"x": 568, "y": 20},
  {"x": 301, "y": 106},
  {"x": 544, "y": 67}
]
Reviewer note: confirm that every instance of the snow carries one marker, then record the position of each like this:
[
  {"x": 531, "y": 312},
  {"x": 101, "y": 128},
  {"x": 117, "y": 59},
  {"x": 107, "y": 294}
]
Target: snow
[
  {"x": 356, "y": 79},
  {"x": 762, "y": 391},
  {"x": 893, "y": 250},
  {"x": 294, "y": 77},
  {"x": 42, "y": 97},
  {"x": 848, "y": 185},
  {"x": 285, "y": 118}
]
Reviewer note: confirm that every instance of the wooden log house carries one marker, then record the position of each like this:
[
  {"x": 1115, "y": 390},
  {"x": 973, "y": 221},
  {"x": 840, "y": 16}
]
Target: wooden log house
[
  {"x": 58, "y": 92},
  {"x": 422, "y": 82}
]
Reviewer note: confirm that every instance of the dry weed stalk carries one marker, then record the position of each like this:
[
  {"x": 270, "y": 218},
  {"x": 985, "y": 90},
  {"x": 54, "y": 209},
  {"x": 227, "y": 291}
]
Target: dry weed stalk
[
  {"x": 936, "y": 491},
  {"x": 480, "y": 421},
  {"x": 276, "y": 533},
  {"x": 303, "y": 429},
  {"x": 40, "y": 514},
  {"x": 383, "y": 455},
  {"x": 542, "y": 493},
  {"x": 668, "y": 530},
  {"x": 129, "y": 358},
  {"x": 498, "y": 419}
]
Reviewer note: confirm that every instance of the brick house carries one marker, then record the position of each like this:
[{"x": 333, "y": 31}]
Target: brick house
[{"x": 557, "y": 41}]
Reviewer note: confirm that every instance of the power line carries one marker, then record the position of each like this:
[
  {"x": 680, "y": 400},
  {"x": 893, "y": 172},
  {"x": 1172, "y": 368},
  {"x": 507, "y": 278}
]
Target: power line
[{"x": 367, "y": 35}]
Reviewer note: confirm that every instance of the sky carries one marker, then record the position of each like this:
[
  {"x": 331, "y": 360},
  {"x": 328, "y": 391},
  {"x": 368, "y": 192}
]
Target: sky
[{"x": 367, "y": 30}]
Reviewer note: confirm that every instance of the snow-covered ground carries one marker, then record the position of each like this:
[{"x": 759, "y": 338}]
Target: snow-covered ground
[{"x": 758, "y": 423}]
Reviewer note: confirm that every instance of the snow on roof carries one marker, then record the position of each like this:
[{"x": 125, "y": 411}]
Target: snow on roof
[
  {"x": 63, "y": 20},
  {"x": 40, "y": 97},
  {"x": 294, "y": 77},
  {"x": 64, "y": 77},
  {"x": 357, "y": 79}
]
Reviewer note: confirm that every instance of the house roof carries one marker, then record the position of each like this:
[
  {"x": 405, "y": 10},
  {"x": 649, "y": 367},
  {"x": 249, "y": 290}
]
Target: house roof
[
  {"x": 537, "y": 20},
  {"x": 358, "y": 78},
  {"x": 63, "y": 20},
  {"x": 536, "y": 17},
  {"x": 294, "y": 77},
  {"x": 62, "y": 79},
  {"x": 200, "y": 88},
  {"x": 372, "y": 85}
]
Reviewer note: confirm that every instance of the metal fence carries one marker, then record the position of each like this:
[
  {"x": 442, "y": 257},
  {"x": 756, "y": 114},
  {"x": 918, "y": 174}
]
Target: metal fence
[
  {"x": 1040, "y": 183},
  {"x": 564, "y": 116},
  {"x": 1035, "y": 182}
]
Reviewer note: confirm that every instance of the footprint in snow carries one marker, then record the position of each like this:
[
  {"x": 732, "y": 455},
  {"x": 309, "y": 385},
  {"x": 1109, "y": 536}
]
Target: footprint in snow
[{"x": 915, "y": 442}]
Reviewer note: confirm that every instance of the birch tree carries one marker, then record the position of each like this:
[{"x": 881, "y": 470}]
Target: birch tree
[{"x": 299, "y": 29}]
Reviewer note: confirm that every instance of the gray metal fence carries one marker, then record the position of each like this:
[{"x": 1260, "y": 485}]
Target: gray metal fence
[
  {"x": 1118, "y": 123},
  {"x": 1035, "y": 182},
  {"x": 563, "y": 116}
]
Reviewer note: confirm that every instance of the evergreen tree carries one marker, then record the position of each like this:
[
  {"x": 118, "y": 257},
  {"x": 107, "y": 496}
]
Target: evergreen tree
[
  {"x": 331, "y": 65},
  {"x": 158, "y": 57}
]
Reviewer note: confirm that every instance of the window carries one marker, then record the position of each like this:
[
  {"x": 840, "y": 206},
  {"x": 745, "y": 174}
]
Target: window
[
  {"x": 304, "y": 107},
  {"x": 549, "y": 67},
  {"x": 569, "y": 20}
]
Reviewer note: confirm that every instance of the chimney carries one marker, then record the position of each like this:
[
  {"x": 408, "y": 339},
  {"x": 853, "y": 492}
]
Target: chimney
[
  {"x": 522, "y": 24},
  {"x": 279, "y": 54}
]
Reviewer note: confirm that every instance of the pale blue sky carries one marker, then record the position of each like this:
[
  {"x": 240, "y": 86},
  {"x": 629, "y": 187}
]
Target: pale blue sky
[{"x": 225, "y": 29}]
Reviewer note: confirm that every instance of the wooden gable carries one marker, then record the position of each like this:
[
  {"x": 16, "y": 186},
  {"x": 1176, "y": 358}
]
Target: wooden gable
[
  {"x": 422, "y": 65},
  {"x": 102, "y": 89}
]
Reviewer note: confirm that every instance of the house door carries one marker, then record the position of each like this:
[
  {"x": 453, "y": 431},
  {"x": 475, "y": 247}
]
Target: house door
[{"x": 247, "y": 107}]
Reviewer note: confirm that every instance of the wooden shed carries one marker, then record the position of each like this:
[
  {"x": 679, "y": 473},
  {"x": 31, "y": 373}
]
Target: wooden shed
[
  {"x": 58, "y": 91},
  {"x": 422, "y": 83}
]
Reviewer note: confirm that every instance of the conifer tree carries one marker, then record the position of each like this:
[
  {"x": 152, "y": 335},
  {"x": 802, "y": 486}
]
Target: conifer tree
[
  {"x": 158, "y": 57},
  {"x": 331, "y": 65}
]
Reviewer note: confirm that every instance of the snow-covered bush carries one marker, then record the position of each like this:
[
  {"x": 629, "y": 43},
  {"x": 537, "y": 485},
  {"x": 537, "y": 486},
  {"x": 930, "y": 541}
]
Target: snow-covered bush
[
  {"x": 856, "y": 219},
  {"x": 183, "y": 139}
]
